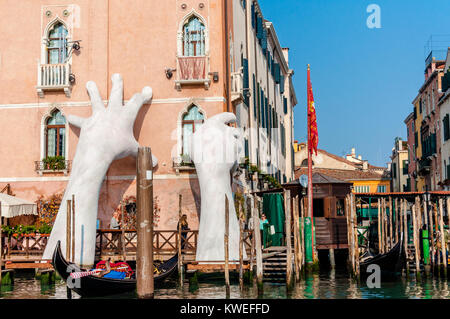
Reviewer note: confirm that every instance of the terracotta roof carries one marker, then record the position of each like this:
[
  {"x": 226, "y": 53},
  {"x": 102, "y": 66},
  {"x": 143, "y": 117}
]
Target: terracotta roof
[{"x": 344, "y": 175}]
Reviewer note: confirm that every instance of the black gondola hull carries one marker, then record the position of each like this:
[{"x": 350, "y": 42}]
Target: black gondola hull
[
  {"x": 390, "y": 263},
  {"x": 92, "y": 286}
]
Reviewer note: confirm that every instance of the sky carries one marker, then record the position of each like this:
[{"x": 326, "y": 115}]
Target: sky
[{"x": 364, "y": 80}]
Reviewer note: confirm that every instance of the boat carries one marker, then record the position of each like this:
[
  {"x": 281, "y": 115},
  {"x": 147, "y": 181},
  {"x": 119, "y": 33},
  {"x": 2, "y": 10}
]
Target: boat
[
  {"x": 92, "y": 286},
  {"x": 391, "y": 263}
]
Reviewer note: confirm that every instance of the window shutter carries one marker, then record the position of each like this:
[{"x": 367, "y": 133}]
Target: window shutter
[
  {"x": 254, "y": 97},
  {"x": 285, "y": 105},
  {"x": 259, "y": 27},
  {"x": 253, "y": 15},
  {"x": 277, "y": 73},
  {"x": 261, "y": 107},
  {"x": 281, "y": 84},
  {"x": 264, "y": 41},
  {"x": 246, "y": 83}
]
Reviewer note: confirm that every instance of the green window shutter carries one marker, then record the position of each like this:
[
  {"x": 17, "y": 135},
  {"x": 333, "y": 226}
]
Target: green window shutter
[
  {"x": 246, "y": 81},
  {"x": 254, "y": 98},
  {"x": 285, "y": 106},
  {"x": 281, "y": 84},
  {"x": 277, "y": 73}
]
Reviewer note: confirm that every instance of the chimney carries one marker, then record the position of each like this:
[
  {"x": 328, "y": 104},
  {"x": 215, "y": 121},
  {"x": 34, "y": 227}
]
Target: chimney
[
  {"x": 365, "y": 165},
  {"x": 360, "y": 157},
  {"x": 353, "y": 152},
  {"x": 286, "y": 54}
]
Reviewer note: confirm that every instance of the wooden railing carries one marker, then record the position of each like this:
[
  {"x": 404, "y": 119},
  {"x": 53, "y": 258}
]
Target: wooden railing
[
  {"x": 109, "y": 242},
  {"x": 24, "y": 245},
  {"x": 165, "y": 242}
]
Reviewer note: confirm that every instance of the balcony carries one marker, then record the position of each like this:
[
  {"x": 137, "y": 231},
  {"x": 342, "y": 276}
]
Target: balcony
[
  {"x": 424, "y": 166},
  {"x": 192, "y": 71},
  {"x": 183, "y": 163},
  {"x": 53, "y": 77},
  {"x": 237, "y": 86},
  {"x": 43, "y": 167}
]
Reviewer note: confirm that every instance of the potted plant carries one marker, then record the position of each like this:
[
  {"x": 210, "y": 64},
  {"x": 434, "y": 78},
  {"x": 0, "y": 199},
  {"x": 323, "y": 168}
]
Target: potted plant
[{"x": 54, "y": 163}]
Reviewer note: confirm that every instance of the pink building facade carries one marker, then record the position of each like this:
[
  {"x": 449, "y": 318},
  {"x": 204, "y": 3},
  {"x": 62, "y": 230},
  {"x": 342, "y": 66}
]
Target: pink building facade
[{"x": 201, "y": 57}]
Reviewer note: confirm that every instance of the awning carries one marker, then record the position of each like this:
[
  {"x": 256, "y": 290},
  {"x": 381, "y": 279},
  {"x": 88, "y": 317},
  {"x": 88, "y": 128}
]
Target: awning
[{"x": 13, "y": 206}]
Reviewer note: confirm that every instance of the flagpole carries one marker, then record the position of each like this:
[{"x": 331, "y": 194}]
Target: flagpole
[{"x": 310, "y": 184}]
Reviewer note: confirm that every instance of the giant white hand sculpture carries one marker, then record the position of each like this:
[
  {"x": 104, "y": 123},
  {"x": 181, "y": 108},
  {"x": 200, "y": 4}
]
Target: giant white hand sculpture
[
  {"x": 105, "y": 136},
  {"x": 215, "y": 148}
]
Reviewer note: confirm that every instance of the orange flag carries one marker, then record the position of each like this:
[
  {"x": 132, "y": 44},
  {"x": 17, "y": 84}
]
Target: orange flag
[{"x": 312, "y": 121}]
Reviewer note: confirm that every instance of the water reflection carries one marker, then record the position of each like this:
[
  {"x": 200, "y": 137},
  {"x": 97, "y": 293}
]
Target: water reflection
[{"x": 334, "y": 284}]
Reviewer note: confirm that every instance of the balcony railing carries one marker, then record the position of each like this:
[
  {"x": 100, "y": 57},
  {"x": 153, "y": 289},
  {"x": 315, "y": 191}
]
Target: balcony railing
[
  {"x": 192, "y": 70},
  {"x": 237, "y": 86},
  {"x": 42, "y": 167},
  {"x": 53, "y": 77},
  {"x": 424, "y": 166},
  {"x": 183, "y": 163}
]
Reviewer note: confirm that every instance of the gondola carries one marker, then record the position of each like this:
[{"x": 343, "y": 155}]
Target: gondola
[
  {"x": 92, "y": 286},
  {"x": 390, "y": 263}
]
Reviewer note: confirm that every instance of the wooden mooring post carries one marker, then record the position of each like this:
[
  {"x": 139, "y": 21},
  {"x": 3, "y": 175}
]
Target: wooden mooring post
[
  {"x": 180, "y": 256},
  {"x": 442, "y": 235},
  {"x": 297, "y": 243},
  {"x": 431, "y": 234},
  {"x": 436, "y": 225},
  {"x": 379, "y": 222},
  {"x": 391, "y": 220},
  {"x": 405, "y": 231},
  {"x": 258, "y": 248},
  {"x": 73, "y": 228},
  {"x": 226, "y": 234},
  {"x": 287, "y": 213},
  {"x": 241, "y": 247},
  {"x": 416, "y": 240},
  {"x": 68, "y": 228},
  {"x": 144, "y": 207}
]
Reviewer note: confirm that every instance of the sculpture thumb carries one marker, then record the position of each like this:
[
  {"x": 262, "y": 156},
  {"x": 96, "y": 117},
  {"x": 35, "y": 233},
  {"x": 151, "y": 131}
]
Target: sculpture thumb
[{"x": 225, "y": 118}]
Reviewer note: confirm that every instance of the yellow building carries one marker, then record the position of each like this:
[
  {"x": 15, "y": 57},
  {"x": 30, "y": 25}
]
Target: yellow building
[{"x": 365, "y": 178}]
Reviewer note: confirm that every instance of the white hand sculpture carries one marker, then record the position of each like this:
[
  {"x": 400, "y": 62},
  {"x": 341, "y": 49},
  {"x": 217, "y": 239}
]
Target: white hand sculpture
[
  {"x": 105, "y": 136},
  {"x": 215, "y": 149}
]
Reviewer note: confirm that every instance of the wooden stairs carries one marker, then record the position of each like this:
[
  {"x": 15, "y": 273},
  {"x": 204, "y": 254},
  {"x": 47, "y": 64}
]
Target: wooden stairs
[
  {"x": 412, "y": 260},
  {"x": 274, "y": 264}
]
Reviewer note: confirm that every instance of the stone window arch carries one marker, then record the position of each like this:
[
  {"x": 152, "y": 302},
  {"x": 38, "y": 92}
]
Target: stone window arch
[
  {"x": 54, "y": 134},
  {"x": 193, "y": 36},
  {"x": 189, "y": 120}
]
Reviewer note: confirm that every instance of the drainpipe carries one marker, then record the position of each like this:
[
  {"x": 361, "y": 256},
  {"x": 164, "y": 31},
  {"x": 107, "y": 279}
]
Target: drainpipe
[{"x": 227, "y": 58}]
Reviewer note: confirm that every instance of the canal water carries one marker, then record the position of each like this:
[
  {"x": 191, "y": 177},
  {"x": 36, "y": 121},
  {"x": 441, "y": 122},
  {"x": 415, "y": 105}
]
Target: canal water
[{"x": 326, "y": 285}]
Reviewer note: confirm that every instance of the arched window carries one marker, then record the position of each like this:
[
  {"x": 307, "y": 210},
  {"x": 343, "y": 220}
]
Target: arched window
[
  {"x": 57, "y": 44},
  {"x": 194, "y": 37},
  {"x": 56, "y": 134},
  {"x": 305, "y": 163},
  {"x": 192, "y": 120}
]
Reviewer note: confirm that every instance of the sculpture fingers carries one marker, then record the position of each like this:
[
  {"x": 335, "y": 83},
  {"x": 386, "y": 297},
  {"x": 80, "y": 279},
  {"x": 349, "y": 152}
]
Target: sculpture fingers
[
  {"x": 116, "y": 96},
  {"x": 75, "y": 120},
  {"x": 134, "y": 105},
  {"x": 94, "y": 94},
  {"x": 225, "y": 118}
]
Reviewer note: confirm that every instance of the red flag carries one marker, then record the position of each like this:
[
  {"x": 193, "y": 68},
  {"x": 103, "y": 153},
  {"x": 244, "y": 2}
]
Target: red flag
[{"x": 313, "y": 139}]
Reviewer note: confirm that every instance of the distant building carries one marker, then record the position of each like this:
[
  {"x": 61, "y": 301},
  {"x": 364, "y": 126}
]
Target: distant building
[
  {"x": 411, "y": 145},
  {"x": 444, "y": 114},
  {"x": 365, "y": 178},
  {"x": 427, "y": 133},
  {"x": 399, "y": 167}
]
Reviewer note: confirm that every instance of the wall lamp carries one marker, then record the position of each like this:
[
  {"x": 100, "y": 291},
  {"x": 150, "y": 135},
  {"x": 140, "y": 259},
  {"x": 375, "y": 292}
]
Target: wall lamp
[
  {"x": 215, "y": 76},
  {"x": 169, "y": 73}
]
